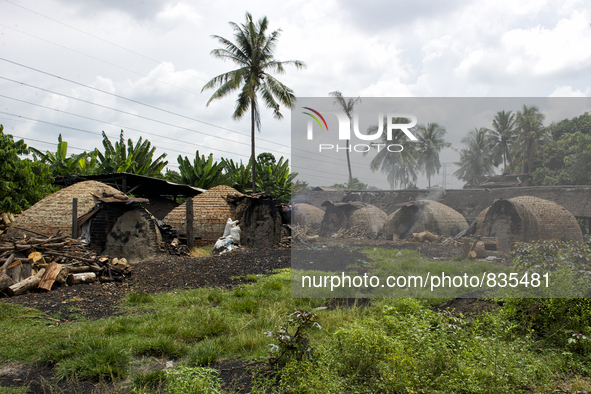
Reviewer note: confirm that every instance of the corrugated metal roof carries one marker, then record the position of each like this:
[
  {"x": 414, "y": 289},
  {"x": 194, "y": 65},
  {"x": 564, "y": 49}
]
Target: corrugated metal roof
[{"x": 139, "y": 185}]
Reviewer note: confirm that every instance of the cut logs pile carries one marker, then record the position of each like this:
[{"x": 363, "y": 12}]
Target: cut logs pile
[
  {"x": 480, "y": 247},
  {"x": 6, "y": 220},
  {"x": 175, "y": 247},
  {"x": 358, "y": 231},
  {"x": 42, "y": 263},
  {"x": 302, "y": 234}
]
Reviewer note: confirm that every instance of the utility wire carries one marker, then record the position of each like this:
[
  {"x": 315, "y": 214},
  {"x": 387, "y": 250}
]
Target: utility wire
[{"x": 153, "y": 107}]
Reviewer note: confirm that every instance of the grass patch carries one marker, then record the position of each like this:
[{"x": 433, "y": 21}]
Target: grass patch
[
  {"x": 385, "y": 345},
  {"x": 205, "y": 353},
  {"x": 160, "y": 346},
  {"x": 139, "y": 298},
  {"x": 203, "y": 251}
]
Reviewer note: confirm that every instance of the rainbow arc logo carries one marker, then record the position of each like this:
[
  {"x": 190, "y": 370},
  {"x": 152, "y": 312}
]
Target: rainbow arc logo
[{"x": 315, "y": 118}]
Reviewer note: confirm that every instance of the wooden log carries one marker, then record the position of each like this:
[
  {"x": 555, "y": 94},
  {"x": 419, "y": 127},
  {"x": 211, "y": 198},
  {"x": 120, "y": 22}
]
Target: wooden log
[
  {"x": 11, "y": 217},
  {"x": 26, "y": 285},
  {"x": 85, "y": 277},
  {"x": 5, "y": 219},
  {"x": 84, "y": 268},
  {"x": 425, "y": 236},
  {"x": 60, "y": 279},
  {"x": 23, "y": 261},
  {"x": 53, "y": 269},
  {"x": 490, "y": 243},
  {"x": 189, "y": 223},
  {"x": 74, "y": 218},
  {"x": 478, "y": 252},
  {"x": 37, "y": 258},
  {"x": 5, "y": 280}
]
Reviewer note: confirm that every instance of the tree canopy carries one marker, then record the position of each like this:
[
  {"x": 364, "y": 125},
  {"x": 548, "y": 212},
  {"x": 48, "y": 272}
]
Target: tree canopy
[
  {"x": 24, "y": 182},
  {"x": 253, "y": 53}
]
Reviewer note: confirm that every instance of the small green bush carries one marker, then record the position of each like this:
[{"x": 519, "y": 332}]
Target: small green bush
[{"x": 184, "y": 380}]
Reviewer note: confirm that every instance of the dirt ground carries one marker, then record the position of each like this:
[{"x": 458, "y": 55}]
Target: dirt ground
[{"x": 166, "y": 273}]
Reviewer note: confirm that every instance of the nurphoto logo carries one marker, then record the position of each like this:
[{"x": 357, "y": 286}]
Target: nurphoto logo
[{"x": 346, "y": 125}]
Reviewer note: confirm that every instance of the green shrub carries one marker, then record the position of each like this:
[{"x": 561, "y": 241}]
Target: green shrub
[{"x": 183, "y": 380}]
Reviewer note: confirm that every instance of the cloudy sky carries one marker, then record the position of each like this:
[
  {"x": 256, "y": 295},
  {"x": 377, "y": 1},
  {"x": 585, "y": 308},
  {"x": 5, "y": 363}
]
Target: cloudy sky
[{"x": 80, "y": 67}]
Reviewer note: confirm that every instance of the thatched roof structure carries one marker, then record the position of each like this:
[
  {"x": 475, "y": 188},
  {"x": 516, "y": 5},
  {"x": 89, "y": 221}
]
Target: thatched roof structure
[
  {"x": 211, "y": 212},
  {"x": 306, "y": 215},
  {"x": 424, "y": 215},
  {"x": 529, "y": 218},
  {"x": 349, "y": 214},
  {"x": 54, "y": 212}
]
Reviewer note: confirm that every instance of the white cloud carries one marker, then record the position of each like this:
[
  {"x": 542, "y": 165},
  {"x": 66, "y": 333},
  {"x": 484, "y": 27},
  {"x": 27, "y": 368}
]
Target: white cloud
[{"x": 567, "y": 91}]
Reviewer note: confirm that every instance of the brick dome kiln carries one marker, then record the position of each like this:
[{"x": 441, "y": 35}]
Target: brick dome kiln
[
  {"x": 424, "y": 215},
  {"x": 54, "y": 212},
  {"x": 210, "y": 210},
  {"x": 529, "y": 218},
  {"x": 306, "y": 215},
  {"x": 350, "y": 214}
]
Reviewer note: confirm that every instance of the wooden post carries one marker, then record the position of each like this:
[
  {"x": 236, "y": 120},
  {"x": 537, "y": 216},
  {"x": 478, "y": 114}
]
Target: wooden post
[
  {"x": 190, "y": 237},
  {"x": 75, "y": 218}
]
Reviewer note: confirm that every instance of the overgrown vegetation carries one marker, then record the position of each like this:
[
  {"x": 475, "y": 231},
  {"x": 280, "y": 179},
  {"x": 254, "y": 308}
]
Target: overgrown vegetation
[{"x": 385, "y": 346}]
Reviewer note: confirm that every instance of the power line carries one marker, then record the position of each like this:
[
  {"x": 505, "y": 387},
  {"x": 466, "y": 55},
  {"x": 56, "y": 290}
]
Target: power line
[
  {"x": 131, "y": 128},
  {"x": 113, "y": 124},
  {"x": 101, "y": 39},
  {"x": 94, "y": 132},
  {"x": 150, "y": 106},
  {"x": 103, "y": 61}
]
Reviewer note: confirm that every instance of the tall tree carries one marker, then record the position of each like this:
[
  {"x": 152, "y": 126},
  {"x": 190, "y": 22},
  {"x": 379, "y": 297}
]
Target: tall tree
[
  {"x": 400, "y": 167},
  {"x": 253, "y": 52},
  {"x": 476, "y": 158},
  {"x": 347, "y": 107},
  {"x": 429, "y": 145},
  {"x": 503, "y": 133},
  {"x": 530, "y": 124}
]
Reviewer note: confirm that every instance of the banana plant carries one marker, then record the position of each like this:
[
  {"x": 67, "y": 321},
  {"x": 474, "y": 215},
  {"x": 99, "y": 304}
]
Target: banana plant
[
  {"x": 274, "y": 177},
  {"x": 203, "y": 173},
  {"x": 61, "y": 165},
  {"x": 240, "y": 175},
  {"x": 135, "y": 159}
]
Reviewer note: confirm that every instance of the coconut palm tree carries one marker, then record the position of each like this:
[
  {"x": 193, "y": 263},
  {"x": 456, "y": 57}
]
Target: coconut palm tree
[
  {"x": 503, "y": 133},
  {"x": 347, "y": 107},
  {"x": 400, "y": 167},
  {"x": 429, "y": 145},
  {"x": 476, "y": 159},
  {"x": 529, "y": 124},
  {"x": 253, "y": 53}
]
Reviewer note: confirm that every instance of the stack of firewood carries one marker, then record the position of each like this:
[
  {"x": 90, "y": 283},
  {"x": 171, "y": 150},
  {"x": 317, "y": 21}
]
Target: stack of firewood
[
  {"x": 479, "y": 247},
  {"x": 6, "y": 220},
  {"x": 175, "y": 247},
  {"x": 359, "y": 231},
  {"x": 45, "y": 262},
  {"x": 302, "y": 235}
]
